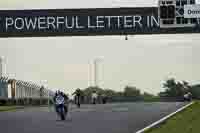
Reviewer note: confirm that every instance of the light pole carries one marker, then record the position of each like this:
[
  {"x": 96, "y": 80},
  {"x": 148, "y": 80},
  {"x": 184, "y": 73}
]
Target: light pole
[
  {"x": 2, "y": 66},
  {"x": 48, "y": 97},
  {"x": 44, "y": 83},
  {"x": 96, "y": 74}
]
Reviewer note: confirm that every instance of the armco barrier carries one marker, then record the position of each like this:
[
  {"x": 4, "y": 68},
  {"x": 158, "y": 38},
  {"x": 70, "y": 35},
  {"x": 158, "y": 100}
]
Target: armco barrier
[{"x": 25, "y": 101}]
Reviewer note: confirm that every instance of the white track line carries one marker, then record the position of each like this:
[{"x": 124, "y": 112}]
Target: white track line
[{"x": 164, "y": 118}]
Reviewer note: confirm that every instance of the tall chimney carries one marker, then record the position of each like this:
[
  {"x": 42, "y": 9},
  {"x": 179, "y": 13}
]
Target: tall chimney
[{"x": 1, "y": 66}]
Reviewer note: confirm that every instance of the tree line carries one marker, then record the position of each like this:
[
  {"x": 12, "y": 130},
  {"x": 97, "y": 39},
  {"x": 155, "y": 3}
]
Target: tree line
[
  {"x": 173, "y": 90},
  {"x": 177, "y": 89},
  {"x": 129, "y": 93}
]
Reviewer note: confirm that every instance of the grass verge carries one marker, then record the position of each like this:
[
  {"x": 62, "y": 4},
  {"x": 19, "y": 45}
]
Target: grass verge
[
  {"x": 10, "y": 108},
  {"x": 186, "y": 121}
]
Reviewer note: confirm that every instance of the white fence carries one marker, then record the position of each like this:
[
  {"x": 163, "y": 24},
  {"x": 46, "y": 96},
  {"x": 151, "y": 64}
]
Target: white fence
[{"x": 17, "y": 89}]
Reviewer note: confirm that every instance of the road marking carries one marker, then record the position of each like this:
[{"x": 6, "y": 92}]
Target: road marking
[
  {"x": 120, "y": 109},
  {"x": 164, "y": 118},
  {"x": 82, "y": 110}
]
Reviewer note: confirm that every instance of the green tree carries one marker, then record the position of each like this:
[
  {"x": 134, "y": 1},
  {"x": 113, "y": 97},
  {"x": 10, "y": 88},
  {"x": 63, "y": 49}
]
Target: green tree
[
  {"x": 175, "y": 89},
  {"x": 130, "y": 91},
  {"x": 146, "y": 94},
  {"x": 195, "y": 90},
  {"x": 119, "y": 94},
  {"x": 88, "y": 91},
  {"x": 109, "y": 93},
  {"x": 170, "y": 86},
  {"x": 149, "y": 97},
  {"x": 78, "y": 92}
]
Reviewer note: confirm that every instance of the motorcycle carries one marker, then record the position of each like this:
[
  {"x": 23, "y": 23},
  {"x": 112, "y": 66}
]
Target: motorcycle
[
  {"x": 61, "y": 111},
  {"x": 60, "y": 107}
]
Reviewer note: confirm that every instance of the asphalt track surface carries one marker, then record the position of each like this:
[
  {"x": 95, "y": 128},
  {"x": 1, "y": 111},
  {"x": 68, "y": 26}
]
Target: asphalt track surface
[{"x": 109, "y": 118}]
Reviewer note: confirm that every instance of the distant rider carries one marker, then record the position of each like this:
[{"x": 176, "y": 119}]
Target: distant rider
[
  {"x": 77, "y": 94},
  {"x": 94, "y": 97},
  {"x": 188, "y": 96}
]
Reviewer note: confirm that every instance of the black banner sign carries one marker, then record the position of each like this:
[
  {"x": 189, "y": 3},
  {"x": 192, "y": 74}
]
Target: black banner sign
[{"x": 72, "y": 22}]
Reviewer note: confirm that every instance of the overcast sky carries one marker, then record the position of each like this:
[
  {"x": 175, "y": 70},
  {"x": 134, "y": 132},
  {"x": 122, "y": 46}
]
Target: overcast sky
[{"x": 144, "y": 61}]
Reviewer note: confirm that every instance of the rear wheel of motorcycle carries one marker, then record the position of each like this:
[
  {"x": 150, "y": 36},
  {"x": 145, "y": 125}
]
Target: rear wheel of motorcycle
[{"x": 62, "y": 116}]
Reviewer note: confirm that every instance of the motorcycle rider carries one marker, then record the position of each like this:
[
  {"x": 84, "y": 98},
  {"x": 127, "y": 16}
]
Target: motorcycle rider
[
  {"x": 94, "y": 97},
  {"x": 188, "y": 96},
  {"x": 60, "y": 99},
  {"x": 78, "y": 94},
  {"x": 104, "y": 99},
  {"x": 54, "y": 100},
  {"x": 66, "y": 98}
]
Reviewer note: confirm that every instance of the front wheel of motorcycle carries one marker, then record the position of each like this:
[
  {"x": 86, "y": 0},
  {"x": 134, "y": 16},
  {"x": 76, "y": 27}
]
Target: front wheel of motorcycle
[{"x": 62, "y": 116}]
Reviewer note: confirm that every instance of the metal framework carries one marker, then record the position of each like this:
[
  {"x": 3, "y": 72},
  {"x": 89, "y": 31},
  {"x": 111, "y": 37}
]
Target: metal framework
[{"x": 22, "y": 89}]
